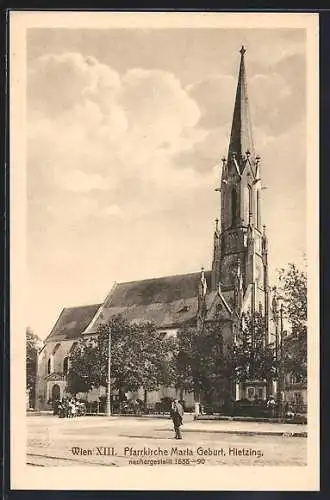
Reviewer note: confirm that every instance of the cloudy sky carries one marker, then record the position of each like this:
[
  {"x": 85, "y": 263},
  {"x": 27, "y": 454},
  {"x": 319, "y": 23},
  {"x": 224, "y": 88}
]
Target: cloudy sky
[{"x": 125, "y": 131}]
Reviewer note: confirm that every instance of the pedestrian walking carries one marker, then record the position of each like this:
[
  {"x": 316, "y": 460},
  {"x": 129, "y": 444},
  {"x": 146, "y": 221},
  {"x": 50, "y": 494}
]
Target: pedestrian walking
[{"x": 177, "y": 418}]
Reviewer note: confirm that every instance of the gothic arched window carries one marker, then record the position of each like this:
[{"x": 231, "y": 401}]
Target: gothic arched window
[
  {"x": 233, "y": 206},
  {"x": 72, "y": 348},
  {"x": 65, "y": 365},
  {"x": 247, "y": 203},
  {"x": 56, "y": 348},
  {"x": 49, "y": 366}
]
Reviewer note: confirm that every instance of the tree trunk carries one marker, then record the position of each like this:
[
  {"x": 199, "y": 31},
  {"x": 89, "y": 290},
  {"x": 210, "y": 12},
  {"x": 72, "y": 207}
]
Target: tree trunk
[{"x": 145, "y": 396}]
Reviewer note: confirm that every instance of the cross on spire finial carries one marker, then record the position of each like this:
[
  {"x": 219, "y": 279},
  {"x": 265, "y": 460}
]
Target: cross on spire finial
[{"x": 243, "y": 50}]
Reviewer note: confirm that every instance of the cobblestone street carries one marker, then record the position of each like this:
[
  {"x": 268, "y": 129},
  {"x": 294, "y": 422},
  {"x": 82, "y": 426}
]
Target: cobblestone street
[{"x": 120, "y": 441}]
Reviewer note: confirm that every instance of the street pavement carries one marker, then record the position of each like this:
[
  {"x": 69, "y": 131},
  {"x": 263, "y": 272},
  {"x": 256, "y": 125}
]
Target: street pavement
[{"x": 128, "y": 441}]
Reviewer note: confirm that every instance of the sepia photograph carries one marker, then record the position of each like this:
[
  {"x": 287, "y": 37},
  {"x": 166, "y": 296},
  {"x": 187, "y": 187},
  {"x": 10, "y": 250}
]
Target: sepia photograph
[{"x": 164, "y": 283}]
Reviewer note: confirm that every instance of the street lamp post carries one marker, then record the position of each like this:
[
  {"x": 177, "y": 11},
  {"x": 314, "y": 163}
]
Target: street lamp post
[
  {"x": 277, "y": 351},
  {"x": 282, "y": 374},
  {"x": 108, "y": 400},
  {"x": 278, "y": 314}
]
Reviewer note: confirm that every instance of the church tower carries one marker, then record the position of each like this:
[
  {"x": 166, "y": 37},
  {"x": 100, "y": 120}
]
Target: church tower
[{"x": 240, "y": 263}]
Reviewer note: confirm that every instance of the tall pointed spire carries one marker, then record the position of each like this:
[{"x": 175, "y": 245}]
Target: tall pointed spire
[{"x": 241, "y": 140}]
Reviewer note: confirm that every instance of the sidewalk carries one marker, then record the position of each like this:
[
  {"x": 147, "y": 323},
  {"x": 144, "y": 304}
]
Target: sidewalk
[{"x": 244, "y": 428}]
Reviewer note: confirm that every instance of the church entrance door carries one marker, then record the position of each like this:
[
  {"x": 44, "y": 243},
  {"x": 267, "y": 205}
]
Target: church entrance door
[{"x": 56, "y": 392}]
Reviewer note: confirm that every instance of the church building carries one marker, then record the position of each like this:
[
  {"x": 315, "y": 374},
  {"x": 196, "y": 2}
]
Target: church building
[{"x": 236, "y": 282}]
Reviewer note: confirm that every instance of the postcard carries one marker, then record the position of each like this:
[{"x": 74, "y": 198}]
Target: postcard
[{"x": 164, "y": 249}]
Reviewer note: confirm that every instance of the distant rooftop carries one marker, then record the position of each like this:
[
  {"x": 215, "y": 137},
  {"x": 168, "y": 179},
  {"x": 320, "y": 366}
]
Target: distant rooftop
[{"x": 72, "y": 322}]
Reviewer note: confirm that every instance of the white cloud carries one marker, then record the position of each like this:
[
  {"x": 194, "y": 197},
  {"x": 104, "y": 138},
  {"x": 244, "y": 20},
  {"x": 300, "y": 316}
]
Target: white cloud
[
  {"x": 269, "y": 95},
  {"x": 110, "y": 210},
  {"x": 91, "y": 130},
  {"x": 57, "y": 83},
  {"x": 269, "y": 84},
  {"x": 215, "y": 96},
  {"x": 124, "y": 139},
  {"x": 78, "y": 181},
  {"x": 274, "y": 51}
]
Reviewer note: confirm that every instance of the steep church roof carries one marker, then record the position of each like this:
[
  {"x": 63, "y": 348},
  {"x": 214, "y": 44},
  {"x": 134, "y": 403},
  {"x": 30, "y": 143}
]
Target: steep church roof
[
  {"x": 168, "y": 301},
  {"x": 241, "y": 139},
  {"x": 72, "y": 322}
]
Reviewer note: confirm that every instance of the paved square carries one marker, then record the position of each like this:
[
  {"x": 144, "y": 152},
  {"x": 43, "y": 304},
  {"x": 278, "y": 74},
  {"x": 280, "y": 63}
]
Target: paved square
[{"x": 119, "y": 441}]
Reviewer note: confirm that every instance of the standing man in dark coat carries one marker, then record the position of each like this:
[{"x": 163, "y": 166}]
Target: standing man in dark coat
[{"x": 177, "y": 417}]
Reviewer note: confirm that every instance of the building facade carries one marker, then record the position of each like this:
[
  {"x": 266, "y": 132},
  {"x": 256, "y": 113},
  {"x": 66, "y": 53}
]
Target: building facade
[{"x": 236, "y": 282}]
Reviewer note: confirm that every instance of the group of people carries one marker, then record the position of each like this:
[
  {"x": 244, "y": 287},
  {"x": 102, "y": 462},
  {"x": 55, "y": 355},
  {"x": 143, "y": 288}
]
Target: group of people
[
  {"x": 273, "y": 405},
  {"x": 69, "y": 408}
]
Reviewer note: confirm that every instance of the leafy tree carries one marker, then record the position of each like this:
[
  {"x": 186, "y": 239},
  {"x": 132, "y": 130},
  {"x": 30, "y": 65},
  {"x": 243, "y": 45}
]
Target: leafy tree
[
  {"x": 292, "y": 290},
  {"x": 205, "y": 364},
  {"x": 140, "y": 357},
  {"x": 200, "y": 362},
  {"x": 33, "y": 343},
  {"x": 252, "y": 357}
]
